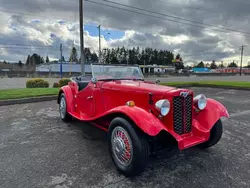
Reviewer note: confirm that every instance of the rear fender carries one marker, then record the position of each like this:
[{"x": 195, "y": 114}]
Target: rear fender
[
  {"x": 211, "y": 114},
  {"x": 146, "y": 121},
  {"x": 69, "y": 97}
]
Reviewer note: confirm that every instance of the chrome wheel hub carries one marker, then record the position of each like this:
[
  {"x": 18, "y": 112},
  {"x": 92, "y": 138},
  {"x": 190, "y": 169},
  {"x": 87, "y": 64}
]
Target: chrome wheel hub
[
  {"x": 119, "y": 145},
  {"x": 122, "y": 146}
]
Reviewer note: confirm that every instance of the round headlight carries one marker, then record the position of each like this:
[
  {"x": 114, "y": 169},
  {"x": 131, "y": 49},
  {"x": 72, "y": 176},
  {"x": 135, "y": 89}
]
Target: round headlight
[
  {"x": 163, "y": 107},
  {"x": 201, "y": 101}
]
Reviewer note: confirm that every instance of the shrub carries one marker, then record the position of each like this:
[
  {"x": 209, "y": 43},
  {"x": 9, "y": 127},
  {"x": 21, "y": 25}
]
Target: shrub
[
  {"x": 64, "y": 82},
  {"x": 37, "y": 83},
  {"x": 55, "y": 85}
]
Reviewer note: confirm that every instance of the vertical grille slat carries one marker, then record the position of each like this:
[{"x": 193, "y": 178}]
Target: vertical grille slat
[{"x": 182, "y": 114}]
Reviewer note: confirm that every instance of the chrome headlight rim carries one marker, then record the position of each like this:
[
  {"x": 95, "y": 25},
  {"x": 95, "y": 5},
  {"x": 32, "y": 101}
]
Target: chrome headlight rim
[
  {"x": 200, "y": 101},
  {"x": 163, "y": 106}
]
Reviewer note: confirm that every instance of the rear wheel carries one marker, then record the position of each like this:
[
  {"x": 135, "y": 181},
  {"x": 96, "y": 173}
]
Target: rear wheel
[
  {"x": 65, "y": 116},
  {"x": 128, "y": 148},
  {"x": 215, "y": 136}
]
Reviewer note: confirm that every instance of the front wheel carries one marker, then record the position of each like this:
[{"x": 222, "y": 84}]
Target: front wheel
[
  {"x": 215, "y": 136},
  {"x": 128, "y": 148},
  {"x": 65, "y": 116}
]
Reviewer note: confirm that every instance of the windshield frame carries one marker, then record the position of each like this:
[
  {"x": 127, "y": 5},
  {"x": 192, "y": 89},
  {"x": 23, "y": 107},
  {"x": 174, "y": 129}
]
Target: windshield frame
[{"x": 136, "y": 67}]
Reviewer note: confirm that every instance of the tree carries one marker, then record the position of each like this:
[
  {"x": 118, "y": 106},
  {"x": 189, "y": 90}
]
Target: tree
[
  {"x": 221, "y": 65},
  {"x": 178, "y": 56},
  {"x": 63, "y": 59},
  {"x": 41, "y": 60},
  {"x": 139, "y": 56},
  {"x": 169, "y": 58},
  {"x": 73, "y": 56},
  {"x": 28, "y": 60},
  {"x": 47, "y": 59},
  {"x": 233, "y": 65},
  {"x": 20, "y": 64},
  {"x": 87, "y": 54},
  {"x": 213, "y": 65},
  {"x": 200, "y": 65},
  {"x": 94, "y": 57}
]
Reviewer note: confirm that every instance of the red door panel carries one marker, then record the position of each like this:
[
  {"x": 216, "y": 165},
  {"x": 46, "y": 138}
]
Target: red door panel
[{"x": 85, "y": 102}]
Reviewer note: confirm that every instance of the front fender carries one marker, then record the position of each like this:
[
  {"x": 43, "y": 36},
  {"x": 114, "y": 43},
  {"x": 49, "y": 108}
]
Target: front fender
[
  {"x": 211, "y": 114},
  {"x": 145, "y": 120},
  {"x": 69, "y": 97}
]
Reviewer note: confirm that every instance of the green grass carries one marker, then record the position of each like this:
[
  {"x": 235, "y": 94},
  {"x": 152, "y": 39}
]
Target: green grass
[
  {"x": 36, "y": 92},
  {"x": 27, "y": 93},
  {"x": 214, "y": 83}
]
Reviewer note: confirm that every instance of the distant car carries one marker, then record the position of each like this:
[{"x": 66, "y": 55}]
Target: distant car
[{"x": 140, "y": 116}]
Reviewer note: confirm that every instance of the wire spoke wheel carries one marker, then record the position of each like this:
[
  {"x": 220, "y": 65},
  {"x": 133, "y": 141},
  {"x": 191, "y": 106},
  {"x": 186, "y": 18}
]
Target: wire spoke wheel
[{"x": 122, "y": 146}]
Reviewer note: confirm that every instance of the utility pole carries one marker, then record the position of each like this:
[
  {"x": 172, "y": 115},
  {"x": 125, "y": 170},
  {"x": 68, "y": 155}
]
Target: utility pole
[
  {"x": 82, "y": 58},
  {"x": 61, "y": 61},
  {"x": 99, "y": 29},
  {"x": 242, "y": 50}
]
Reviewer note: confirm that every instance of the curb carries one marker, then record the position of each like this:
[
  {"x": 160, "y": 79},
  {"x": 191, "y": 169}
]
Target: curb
[{"x": 27, "y": 100}]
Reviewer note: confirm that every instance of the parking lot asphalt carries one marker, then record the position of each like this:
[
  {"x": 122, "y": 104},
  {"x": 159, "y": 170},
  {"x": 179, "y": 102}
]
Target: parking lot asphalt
[{"x": 38, "y": 150}]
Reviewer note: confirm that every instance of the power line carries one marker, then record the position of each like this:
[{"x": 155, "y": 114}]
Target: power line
[
  {"x": 30, "y": 14},
  {"x": 25, "y": 48},
  {"x": 187, "y": 7},
  {"x": 175, "y": 17},
  {"x": 110, "y": 6},
  {"x": 27, "y": 45}
]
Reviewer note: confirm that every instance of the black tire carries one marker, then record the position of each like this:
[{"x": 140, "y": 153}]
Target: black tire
[
  {"x": 215, "y": 136},
  {"x": 66, "y": 117},
  {"x": 140, "y": 148}
]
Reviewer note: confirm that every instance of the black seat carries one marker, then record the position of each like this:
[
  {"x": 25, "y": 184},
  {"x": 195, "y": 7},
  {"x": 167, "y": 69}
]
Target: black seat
[
  {"x": 82, "y": 84},
  {"x": 82, "y": 81}
]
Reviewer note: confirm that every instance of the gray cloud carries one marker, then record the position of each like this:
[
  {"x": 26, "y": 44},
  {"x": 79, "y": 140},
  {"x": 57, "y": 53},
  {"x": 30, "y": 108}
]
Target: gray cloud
[{"x": 151, "y": 31}]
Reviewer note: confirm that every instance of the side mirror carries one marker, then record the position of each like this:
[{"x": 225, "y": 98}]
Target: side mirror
[
  {"x": 94, "y": 80},
  {"x": 157, "y": 81}
]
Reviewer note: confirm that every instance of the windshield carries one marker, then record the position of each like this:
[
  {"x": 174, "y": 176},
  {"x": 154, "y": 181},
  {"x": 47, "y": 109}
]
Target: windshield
[{"x": 116, "y": 72}]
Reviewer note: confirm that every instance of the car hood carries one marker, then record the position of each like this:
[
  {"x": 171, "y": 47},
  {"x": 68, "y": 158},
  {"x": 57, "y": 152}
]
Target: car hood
[{"x": 136, "y": 86}]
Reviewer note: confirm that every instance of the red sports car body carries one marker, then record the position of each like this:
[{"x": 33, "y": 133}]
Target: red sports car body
[{"x": 139, "y": 111}]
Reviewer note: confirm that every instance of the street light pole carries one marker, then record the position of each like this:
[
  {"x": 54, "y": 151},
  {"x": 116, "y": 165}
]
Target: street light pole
[
  {"x": 242, "y": 49},
  {"x": 99, "y": 29},
  {"x": 61, "y": 61},
  {"x": 82, "y": 58}
]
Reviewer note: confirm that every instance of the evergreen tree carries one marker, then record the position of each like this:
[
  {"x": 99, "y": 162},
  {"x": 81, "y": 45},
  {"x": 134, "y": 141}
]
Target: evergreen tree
[
  {"x": 87, "y": 54},
  {"x": 213, "y": 65},
  {"x": 20, "y": 64},
  {"x": 47, "y": 59},
  {"x": 178, "y": 56},
  {"x": 63, "y": 59},
  {"x": 28, "y": 60},
  {"x": 200, "y": 65},
  {"x": 233, "y": 65},
  {"x": 73, "y": 56},
  {"x": 94, "y": 57}
]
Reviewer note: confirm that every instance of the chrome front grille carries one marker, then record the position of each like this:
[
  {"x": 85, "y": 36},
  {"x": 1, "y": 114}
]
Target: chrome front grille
[{"x": 182, "y": 114}]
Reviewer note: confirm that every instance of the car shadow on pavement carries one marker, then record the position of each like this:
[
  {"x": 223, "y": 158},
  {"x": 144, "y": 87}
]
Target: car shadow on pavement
[
  {"x": 89, "y": 132},
  {"x": 166, "y": 159}
]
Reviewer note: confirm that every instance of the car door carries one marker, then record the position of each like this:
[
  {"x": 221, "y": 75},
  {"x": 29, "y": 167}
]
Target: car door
[{"x": 85, "y": 102}]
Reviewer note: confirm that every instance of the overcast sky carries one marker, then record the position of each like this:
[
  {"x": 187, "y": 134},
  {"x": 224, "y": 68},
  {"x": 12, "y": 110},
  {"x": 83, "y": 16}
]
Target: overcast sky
[{"x": 51, "y": 22}]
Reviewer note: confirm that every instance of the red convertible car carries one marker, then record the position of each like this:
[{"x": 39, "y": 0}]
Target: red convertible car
[{"x": 140, "y": 116}]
